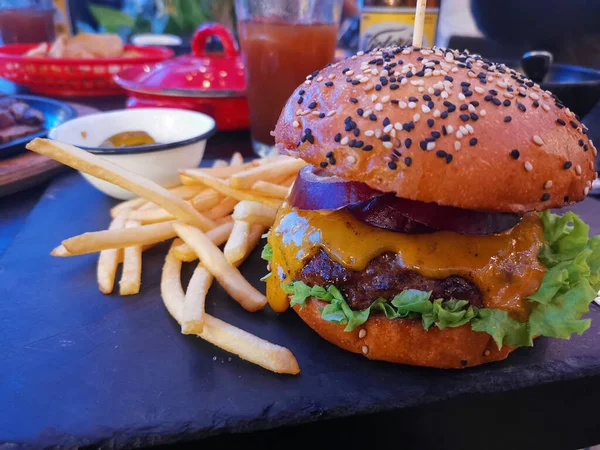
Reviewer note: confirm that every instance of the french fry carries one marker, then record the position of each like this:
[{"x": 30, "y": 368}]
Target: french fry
[
  {"x": 188, "y": 181},
  {"x": 236, "y": 159},
  {"x": 219, "y": 172},
  {"x": 237, "y": 244},
  {"x": 288, "y": 182},
  {"x": 228, "y": 276},
  {"x": 131, "y": 277},
  {"x": 270, "y": 189},
  {"x": 132, "y": 204},
  {"x": 61, "y": 251},
  {"x": 101, "y": 168},
  {"x": 184, "y": 192},
  {"x": 221, "y": 334},
  {"x": 254, "y": 212},
  {"x": 117, "y": 238},
  {"x": 223, "y": 209},
  {"x": 109, "y": 260},
  {"x": 220, "y": 163},
  {"x": 217, "y": 235},
  {"x": 207, "y": 199},
  {"x": 222, "y": 187},
  {"x": 277, "y": 169},
  {"x": 151, "y": 215},
  {"x": 193, "y": 306},
  {"x": 223, "y": 220}
]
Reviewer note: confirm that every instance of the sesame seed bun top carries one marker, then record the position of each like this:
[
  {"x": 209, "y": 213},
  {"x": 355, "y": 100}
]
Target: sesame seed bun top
[{"x": 437, "y": 125}]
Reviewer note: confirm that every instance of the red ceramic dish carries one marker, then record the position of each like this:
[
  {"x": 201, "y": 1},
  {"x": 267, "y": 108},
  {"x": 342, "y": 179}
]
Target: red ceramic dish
[
  {"x": 211, "y": 83},
  {"x": 72, "y": 76}
]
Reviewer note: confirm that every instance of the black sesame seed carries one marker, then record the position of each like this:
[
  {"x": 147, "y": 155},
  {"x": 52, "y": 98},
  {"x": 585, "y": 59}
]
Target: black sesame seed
[
  {"x": 567, "y": 165},
  {"x": 308, "y": 131},
  {"x": 441, "y": 154},
  {"x": 408, "y": 161},
  {"x": 310, "y": 138},
  {"x": 386, "y": 122},
  {"x": 522, "y": 94},
  {"x": 355, "y": 82},
  {"x": 427, "y": 98},
  {"x": 329, "y": 83},
  {"x": 448, "y": 158},
  {"x": 303, "y": 138},
  {"x": 464, "y": 107},
  {"x": 386, "y": 138},
  {"x": 300, "y": 100},
  {"x": 464, "y": 117},
  {"x": 545, "y": 197},
  {"x": 436, "y": 134},
  {"x": 430, "y": 105},
  {"x": 392, "y": 165},
  {"x": 407, "y": 143},
  {"x": 566, "y": 199},
  {"x": 448, "y": 78},
  {"x": 506, "y": 102},
  {"x": 348, "y": 126},
  {"x": 312, "y": 105},
  {"x": 353, "y": 100},
  {"x": 430, "y": 123},
  {"x": 507, "y": 118},
  {"x": 301, "y": 92},
  {"x": 437, "y": 92},
  {"x": 444, "y": 131},
  {"x": 360, "y": 111},
  {"x": 475, "y": 103},
  {"x": 496, "y": 101},
  {"x": 348, "y": 119},
  {"x": 392, "y": 79},
  {"x": 529, "y": 84},
  {"x": 468, "y": 93},
  {"x": 321, "y": 115},
  {"x": 377, "y": 87},
  {"x": 367, "y": 148},
  {"x": 521, "y": 106},
  {"x": 384, "y": 81},
  {"x": 444, "y": 114},
  {"x": 409, "y": 74},
  {"x": 464, "y": 362},
  {"x": 573, "y": 124},
  {"x": 329, "y": 154},
  {"x": 465, "y": 83},
  {"x": 446, "y": 103},
  {"x": 580, "y": 142},
  {"x": 473, "y": 142},
  {"x": 345, "y": 70},
  {"x": 393, "y": 87},
  {"x": 413, "y": 99},
  {"x": 359, "y": 144},
  {"x": 332, "y": 161},
  {"x": 396, "y": 152},
  {"x": 561, "y": 122},
  {"x": 323, "y": 164},
  {"x": 474, "y": 117},
  {"x": 515, "y": 154},
  {"x": 536, "y": 104},
  {"x": 372, "y": 117},
  {"x": 585, "y": 147},
  {"x": 356, "y": 132},
  {"x": 488, "y": 98},
  {"x": 423, "y": 145},
  {"x": 337, "y": 137},
  {"x": 348, "y": 80},
  {"x": 352, "y": 143}
]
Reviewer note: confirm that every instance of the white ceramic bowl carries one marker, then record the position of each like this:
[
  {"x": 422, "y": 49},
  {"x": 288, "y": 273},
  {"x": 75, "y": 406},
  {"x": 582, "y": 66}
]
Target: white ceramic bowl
[{"x": 181, "y": 136}]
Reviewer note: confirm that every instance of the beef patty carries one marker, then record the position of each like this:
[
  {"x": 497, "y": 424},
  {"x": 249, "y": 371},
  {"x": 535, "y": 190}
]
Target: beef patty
[{"x": 383, "y": 277}]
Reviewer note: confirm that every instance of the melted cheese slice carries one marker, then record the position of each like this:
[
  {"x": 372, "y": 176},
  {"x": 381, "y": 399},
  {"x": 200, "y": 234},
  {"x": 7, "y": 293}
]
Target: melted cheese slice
[{"x": 504, "y": 266}]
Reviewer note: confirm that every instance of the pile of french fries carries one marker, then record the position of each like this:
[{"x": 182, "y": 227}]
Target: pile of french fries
[{"x": 232, "y": 203}]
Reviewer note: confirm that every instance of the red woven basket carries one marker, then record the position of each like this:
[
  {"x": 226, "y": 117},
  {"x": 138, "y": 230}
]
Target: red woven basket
[{"x": 71, "y": 76}]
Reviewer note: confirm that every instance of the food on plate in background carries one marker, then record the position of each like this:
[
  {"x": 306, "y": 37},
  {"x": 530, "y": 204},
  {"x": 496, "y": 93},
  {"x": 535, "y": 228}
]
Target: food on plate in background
[
  {"x": 128, "y": 139},
  {"x": 85, "y": 46},
  {"x": 421, "y": 232},
  {"x": 232, "y": 203},
  {"x": 18, "y": 119}
]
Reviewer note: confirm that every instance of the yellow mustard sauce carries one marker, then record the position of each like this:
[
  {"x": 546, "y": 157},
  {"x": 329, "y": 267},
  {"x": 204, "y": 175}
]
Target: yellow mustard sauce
[{"x": 504, "y": 266}]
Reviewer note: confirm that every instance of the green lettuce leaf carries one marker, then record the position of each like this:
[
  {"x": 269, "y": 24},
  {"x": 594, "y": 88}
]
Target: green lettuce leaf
[{"x": 267, "y": 252}]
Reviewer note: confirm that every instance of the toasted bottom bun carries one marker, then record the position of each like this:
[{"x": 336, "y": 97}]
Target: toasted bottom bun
[{"x": 405, "y": 341}]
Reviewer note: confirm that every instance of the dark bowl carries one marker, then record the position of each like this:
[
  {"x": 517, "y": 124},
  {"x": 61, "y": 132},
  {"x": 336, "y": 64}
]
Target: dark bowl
[{"x": 577, "y": 87}]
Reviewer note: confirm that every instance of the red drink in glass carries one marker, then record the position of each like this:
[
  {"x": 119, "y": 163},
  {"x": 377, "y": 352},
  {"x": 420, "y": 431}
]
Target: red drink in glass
[{"x": 26, "y": 25}]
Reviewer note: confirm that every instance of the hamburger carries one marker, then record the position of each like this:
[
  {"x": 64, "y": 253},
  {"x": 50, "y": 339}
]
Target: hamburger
[{"x": 419, "y": 231}]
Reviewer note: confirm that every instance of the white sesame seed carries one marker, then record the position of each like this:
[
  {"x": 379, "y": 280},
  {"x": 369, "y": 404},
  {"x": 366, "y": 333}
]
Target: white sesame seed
[
  {"x": 483, "y": 113},
  {"x": 471, "y": 108},
  {"x": 378, "y": 107},
  {"x": 502, "y": 84},
  {"x": 425, "y": 109},
  {"x": 594, "y": 152},
  {"x": 364, "y": 348},
  {"x": 522, "y": 90},
  {"x": 457, "y": 145},
  {"x": 374, "y": 72},
  {"x": 454, "y": 69},
  {"x": 416, "y": 117},
  {"x": 479, "y": 89},
  {"x": 368, "y": 87},
  {"x": 421, "y": 89},
  {"x": 403, "y": 81},
  {"x": 388, "y": 128},
  {"x": 430, "y": 91},
  {"x": 534, "y": 96},
  {"x": 305, "y": 112},
  {"x": 308, "y": 82},
  {"x": 461, "y": 97},
  {"x": 402, "y": 105},
  {"x": 388, "y": 145},
  {"x": 360, "y": 53},
  {"x": 384, "y": 73},
  {"x": 591, "y": 164},
  {"x": 430, "y": 146},
  {"x": 385, "y": 99},
  {"x": 296, "y": 124},
  {"x": 369, "y": 133},
  {"x": 331, "y": 76},
  {"x": 436, "y": 113},
  {"x": 330, "y": 113},
  {"x": 538, "y": 140},
  {"x": 406, "y": 51},
  {"x": 508, "y": 94},
  {"x": 377, "y": 133},
  {"x": 373, "y": 97},
  {"x": 548, "y": 184},
  {"x": 351, "y": 159},
  {"x": 344, "y": 140},
  {"x": 417, "y": 82},
  {"x": 315, "y": 113},
  {"x": 309, "y": 77},
  {"x": 362, "y": 333},
  {"x": 568, "y": 112},
  {"x": 586, "y": 190},
  {"x": 578, "y": 169},
  {"x": 353, "y": 57},
  {"x": 444, "y": 95},
  {"x": 528, "y": 166},
  {"x": 299, "y": 111},
  {"x": 367, "y": 112},
  {"x": 459, "y": 135},
  {"x": 463, "y": 130},
  {"x": 546, "y": 107},
  {"x": 471, "y": 74},
  {"x": 412, "y": 105},
  {"x": 449, "y": 57},
  {"x": 349, "y": 73},
  {"x": 450, "y": 129},
  {"x": 469, "y": 128}
]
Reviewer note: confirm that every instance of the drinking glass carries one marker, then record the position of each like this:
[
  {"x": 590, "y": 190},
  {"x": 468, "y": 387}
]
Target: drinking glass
[
  {"x": 282, "y": 41},
  {"x": 26, "y": 21}
]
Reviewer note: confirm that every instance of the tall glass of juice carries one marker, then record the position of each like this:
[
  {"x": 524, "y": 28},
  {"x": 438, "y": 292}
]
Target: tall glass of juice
[{"x": 282, "y": 42}]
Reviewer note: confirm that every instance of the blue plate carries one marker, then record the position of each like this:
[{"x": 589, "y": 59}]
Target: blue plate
[{"x": 55, "y": 113}]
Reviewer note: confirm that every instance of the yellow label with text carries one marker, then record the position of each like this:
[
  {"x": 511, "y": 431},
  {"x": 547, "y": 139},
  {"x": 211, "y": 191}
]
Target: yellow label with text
[{"x": 381, "y": 27}]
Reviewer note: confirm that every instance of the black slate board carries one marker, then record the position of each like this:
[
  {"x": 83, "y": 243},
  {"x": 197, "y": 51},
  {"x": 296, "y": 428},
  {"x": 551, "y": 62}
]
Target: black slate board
[{"x": 79, "y": 368}]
